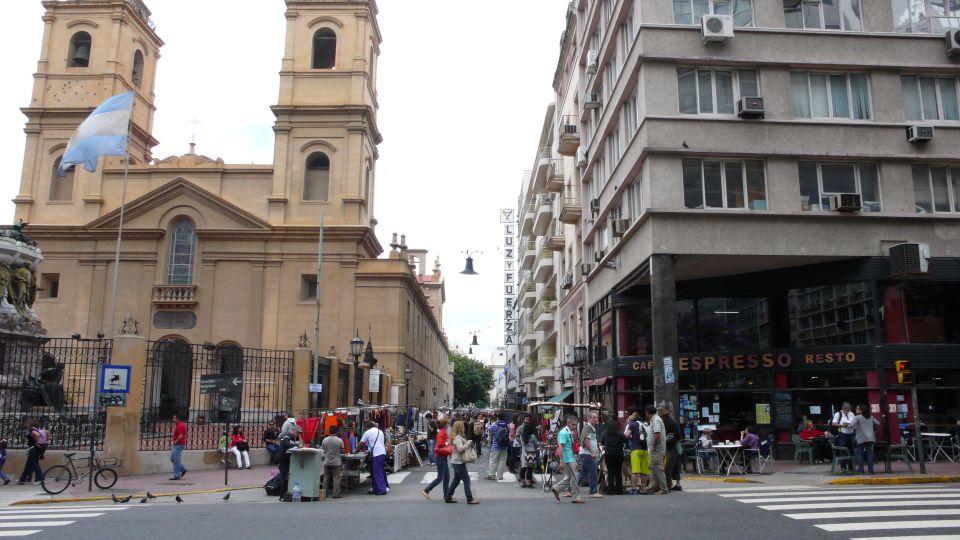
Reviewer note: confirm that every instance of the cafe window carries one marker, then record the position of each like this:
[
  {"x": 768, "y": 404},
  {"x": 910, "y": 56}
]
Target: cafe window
[
  {"x": 831, "y": 315},
  {"x": 847, "y": 378},
  {"x": 727, "y": 324},
  {"x": 634, "y": 331},
  {"x": 735, "y": 381}
]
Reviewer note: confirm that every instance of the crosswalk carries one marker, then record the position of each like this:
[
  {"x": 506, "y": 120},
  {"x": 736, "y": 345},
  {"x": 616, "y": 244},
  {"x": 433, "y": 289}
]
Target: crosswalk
[
  {"x": 19, "y": 522},
  {"x": 426, "y": 477},
  {"x": 915, "y": 512}
]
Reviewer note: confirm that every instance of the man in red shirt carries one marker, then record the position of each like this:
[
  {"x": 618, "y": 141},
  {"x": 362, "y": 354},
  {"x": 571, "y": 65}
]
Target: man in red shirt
[{"x": 177, "y": 444}]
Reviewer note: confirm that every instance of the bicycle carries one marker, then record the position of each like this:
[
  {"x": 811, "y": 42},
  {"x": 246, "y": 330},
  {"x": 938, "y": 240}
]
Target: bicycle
[{"x": 58, "y": 478}]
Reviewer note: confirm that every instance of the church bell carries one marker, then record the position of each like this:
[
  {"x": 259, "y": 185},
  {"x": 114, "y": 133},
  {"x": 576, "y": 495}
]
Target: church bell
[
  {"x": 474, "y": 340},
  {"x": 81, "y": 56},
  {"x": 469, "y": 269}
]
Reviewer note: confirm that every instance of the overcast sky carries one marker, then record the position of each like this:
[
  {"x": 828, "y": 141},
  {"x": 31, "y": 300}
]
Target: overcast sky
[{"x": 463, "y": 88}]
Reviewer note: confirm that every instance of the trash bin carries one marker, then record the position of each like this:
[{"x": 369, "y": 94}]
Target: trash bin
[{"x": 306, "y": 466}]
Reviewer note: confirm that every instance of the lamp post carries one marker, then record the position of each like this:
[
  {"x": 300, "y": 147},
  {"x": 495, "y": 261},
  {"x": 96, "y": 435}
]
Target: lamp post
[
  {"x": 407, "y": 375},
  {"x": 580, "y": 357},
  {"x": 434, "y": 397},
  {"x": 356, "y": 349}
]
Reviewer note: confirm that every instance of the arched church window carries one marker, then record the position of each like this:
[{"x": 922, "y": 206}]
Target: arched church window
[
  {"x": 79, "y": 53},
  {"x": 324, "y": 49},
  {"x": 183, "y": 247},
  {"x": 61, "y": 184},
  {"x": 137, "y": 75},
  {"x": 316, "y": 178}
]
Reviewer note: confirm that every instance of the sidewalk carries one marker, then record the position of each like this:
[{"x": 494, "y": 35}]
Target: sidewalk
[
  {"x": 205, "y": 481},
  {"x": 789, "y": 472}
]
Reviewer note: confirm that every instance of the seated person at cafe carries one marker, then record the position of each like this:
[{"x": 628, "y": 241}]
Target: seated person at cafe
[
  {"x": 810, "y": 431},
  {"x": 749, "y": 441},
  {"x": 705, "y": 451},
  {"x": 706, "y": 438},
  {"x": 817, "y": 440}
]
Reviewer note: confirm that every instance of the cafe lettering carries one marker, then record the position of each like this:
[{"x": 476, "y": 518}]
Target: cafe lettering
[{"x": 760, "y": 360}]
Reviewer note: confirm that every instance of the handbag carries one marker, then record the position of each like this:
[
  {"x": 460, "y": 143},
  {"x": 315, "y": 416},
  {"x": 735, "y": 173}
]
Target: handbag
[
  {"x": 242, "y": 446},
  {"x": 470, "y": 455}
]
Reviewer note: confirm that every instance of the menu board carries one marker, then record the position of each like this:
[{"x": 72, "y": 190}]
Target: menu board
[{"x": 783, "y": 409}]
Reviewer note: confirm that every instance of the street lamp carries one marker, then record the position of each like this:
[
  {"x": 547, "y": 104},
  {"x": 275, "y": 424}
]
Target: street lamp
[
  {"x": 407, "y": 375},
  {"x": 356, "y": 349},
  {"x": 434, "y": 397},
  {"x": 580, "y": 357}
]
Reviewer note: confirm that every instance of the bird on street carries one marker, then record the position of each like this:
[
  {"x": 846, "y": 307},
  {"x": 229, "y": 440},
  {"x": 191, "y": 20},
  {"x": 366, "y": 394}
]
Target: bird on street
[
  {"x": 143, "y": 500},
  {"x": 178, "y": 499},
  {"x": 227, "y": 496},
  {"x": 126, "y": 499},
  {"x": 151, "y": 495},
  {"x": 115, "y": 499}
]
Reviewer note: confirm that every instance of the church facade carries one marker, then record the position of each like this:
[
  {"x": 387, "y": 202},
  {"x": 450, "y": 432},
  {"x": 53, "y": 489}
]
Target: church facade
[{"x": 226, "y": 254}]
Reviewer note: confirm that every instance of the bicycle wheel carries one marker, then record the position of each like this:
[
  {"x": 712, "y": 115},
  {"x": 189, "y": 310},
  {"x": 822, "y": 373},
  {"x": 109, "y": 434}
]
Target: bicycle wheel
[
  {"x": 56, "y": 479},
  {"x": 105, "y": 478}
]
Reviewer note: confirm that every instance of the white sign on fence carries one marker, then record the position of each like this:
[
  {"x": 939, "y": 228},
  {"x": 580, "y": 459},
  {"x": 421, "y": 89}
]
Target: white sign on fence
[{"x": 374, "y": 380}]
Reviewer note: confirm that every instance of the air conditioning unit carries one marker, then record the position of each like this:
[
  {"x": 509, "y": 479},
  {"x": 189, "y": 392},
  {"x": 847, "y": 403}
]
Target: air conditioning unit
[
  {"x": 594, "y": 206},
  {"x": 910, "y": 259},
  {"x": 581, "y": 156},
  {"x": 593, "y": 61},
  {"x": 750, "y": 107},
  {"x": 620, "y": 227},
  {"x": 953, "y": 42},
  {"x": 591, "y": 101},
  {"x": 919, "y": 133},
  {"x": 716, "y": 28},
  {"x": 599, "y": 255},
  {"x": 846, "y": 202},
  {"x": 567, "y": 282},
  {"x": 585, "y": 268}
]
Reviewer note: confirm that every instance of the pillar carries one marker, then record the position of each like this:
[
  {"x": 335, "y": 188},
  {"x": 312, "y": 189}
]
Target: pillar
[
  {"x": 351, "y": 385},
  {"x": 333, "y": 393},
  {"x": 663, "y": 302},
  {"x": 302, "y": 368},
  {"x": 365, "y": 383},
  {"x": 122, "y": 432}
]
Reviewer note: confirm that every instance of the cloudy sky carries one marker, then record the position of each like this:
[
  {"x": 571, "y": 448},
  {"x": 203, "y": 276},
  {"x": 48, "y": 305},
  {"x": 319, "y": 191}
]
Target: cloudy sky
[{"x": 463, "y": 88}]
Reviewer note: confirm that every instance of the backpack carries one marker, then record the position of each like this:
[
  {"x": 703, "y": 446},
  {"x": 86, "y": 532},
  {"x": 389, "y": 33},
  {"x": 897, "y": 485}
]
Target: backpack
[
  {"x": 274, "y": 487},
  {"x": 478, "y": 428},
  {"x": 503, "y": 437}
]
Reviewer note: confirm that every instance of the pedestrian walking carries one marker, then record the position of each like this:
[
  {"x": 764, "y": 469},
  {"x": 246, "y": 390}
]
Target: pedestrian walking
[
  {"x": 514, "y": 448},
  {"x": 332, "y": 446},
  {"x": 461, "y": 448},
  {"x": 477, "y": 429},
  {"x": 844, "y": 420},
  {"x": 442, "y": 450},
  {"x": 590, "y": 453},
  {"x": 569, "y": 462},
  {"x": 613, "y": 442},
  {"x": 374, "y": 440},
  {"x": 674, "y": 448},
  {"x": 177, "y": 443},
  {"x": 657, "y": 444},
  {"x": 527, "y": 435},
  {"x": 431, "y": 437},
  {"x": 499, "y": 444},
  {"x": 864, "y": 425},
  {"x": 637, "y": 434},
  {"x": 240, "y": 448}
]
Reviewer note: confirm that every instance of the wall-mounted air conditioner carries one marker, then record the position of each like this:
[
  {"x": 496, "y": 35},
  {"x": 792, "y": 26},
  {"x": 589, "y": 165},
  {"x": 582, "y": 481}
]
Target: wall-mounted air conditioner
[
  {"x": 846, "y": 202},
  {"x": 919, "y": 133},
  {"x": 620, "y": 227},
  {"x": 594, "y": 206},
  {"x": 581, "y": 156},
  {"x": 585, "y": 268},
  {"x": 953, "y": 42},
  {"x": 909, "y": 259},
  {"x": 599, "y": 255},
  {"x": 567, "y": 282},
  {"x": 593, "y": 61},
  {"x": 750, "y": 107},
  {"x": 716, "y": 28}
]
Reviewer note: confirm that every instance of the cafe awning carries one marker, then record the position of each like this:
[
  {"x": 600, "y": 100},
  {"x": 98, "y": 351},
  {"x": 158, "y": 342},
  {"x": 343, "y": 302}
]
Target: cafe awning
[
  {"x": 596, "y": 382},
  {"x": 559, "y": 398}
]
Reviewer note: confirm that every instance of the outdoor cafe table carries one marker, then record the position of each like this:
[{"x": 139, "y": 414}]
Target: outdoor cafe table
[
  {"x": 937, "y": 440},
  {"x": 727, "y": 456}
]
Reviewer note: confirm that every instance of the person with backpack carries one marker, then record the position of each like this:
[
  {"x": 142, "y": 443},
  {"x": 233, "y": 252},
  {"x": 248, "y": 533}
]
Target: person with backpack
[
  {"x": 636, "y": 434},
  {"x": 475, "y": 433},
  {"x": 499, "y": 444},
  {"x": 527, "y": 435}
]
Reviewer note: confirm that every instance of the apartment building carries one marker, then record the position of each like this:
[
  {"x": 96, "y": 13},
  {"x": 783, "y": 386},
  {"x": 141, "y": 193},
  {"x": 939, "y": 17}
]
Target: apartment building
[{"x": 766, "y": 199}]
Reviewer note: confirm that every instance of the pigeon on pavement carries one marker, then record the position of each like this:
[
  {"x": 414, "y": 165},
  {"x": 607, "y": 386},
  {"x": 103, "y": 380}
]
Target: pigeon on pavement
[
  {"x": 178, "y": 499},
  {"x": 126, "y": 499},
  {"x": 151, "y": 495},
  {"x": 227, "y": 496},
  {"x": 143, "y": 500},
  {"x": 115, "y": 499}
]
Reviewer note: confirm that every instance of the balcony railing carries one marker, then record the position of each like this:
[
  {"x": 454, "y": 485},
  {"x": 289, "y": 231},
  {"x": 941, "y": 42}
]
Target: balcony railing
[
  {"x": 171, "y": 296},
  {"x": 546, "y": 306},
  {"x": 555, "y": 176}
]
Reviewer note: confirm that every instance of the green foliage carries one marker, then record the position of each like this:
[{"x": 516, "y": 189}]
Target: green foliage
[{"x": 472, "y": 380}]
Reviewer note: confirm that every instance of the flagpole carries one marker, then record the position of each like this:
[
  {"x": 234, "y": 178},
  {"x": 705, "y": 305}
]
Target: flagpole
[
  {"x": 123, "y": 199},
  {"x": 316, "y": 329}
]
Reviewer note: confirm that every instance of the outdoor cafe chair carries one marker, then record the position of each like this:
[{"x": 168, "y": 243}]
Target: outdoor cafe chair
[
  {"x": 801, "y": 448},
  {"x": 760, "y": 458},
  {"x": 707, "y": 461},
  {"x": 897, "y": 452},
  {"x": 689, "y": 453},
  {"x": 840, "y": 454}
]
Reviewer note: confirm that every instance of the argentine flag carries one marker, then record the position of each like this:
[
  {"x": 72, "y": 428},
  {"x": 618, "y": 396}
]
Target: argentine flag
[{"x": 103, "y": 133}]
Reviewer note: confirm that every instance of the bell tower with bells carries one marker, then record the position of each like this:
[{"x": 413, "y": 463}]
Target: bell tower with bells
[{"x": 91, "y": 50}]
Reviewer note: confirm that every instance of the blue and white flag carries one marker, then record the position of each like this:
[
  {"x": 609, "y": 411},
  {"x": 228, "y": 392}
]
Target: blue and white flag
[{"x": 103, "y": 133}]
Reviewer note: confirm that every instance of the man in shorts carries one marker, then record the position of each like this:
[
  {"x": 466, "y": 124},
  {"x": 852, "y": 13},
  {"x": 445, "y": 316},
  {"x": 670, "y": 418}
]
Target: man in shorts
[{"x": 636, "y": 433}]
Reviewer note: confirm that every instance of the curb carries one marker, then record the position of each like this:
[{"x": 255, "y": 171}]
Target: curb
[
  {"x": 895, "y": 481},
  {"x": 722, "y": 480},
  {"x": 108, "y": 498}
]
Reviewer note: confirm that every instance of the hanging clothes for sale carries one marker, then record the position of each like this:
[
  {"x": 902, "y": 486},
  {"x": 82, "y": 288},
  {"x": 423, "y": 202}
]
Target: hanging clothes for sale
[{"x": 309, "y": 426}]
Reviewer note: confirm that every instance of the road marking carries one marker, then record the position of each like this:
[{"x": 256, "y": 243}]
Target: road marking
[
  {"x": 861, "y": 504},
  {"x": 845, "y": 498},
  {"x": 17, "y": 533},
  {"x": 36, "y": 524},
  {"x": 842, "y": 491},
  {"x": 61, "y": 509},
  {"x": 30, "y": 515},
  {"x": 921, "y": 537},
  {"x": 875, "y": 513},
  {"x": 431, "y": 476},
  {"x": 887, "y": 525},
  {"x": 747, "y": 489}
]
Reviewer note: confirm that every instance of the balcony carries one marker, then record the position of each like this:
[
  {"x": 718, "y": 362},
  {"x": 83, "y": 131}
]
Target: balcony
[
  {"x": 544, "y": 157},
  {"x": 175, "y": 296},
  {"x": 555, "y": 238},
  {"x": 555, "y": 176},
  {"x": 528, "y": 252},
  {"x": 528, "y": 338},
  {"x": 544, "y": 214},
  {"x": 526, "y": 219},
  {"x": 528, "y": 294},
  {"x": 541, "y": 319},
  {"x": 543, "y": 266},
  {"x": 568, "y": 135},
  {"x": 570, "y": 210},
  {"x": 544, "y": 370}
]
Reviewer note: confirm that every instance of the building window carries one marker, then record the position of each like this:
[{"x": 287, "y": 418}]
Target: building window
[
  {"x": 922, "y": 16},
  {"x": 611, "y": 73},
  {"x": 820, "y": 180},
  {"x": 183, "y": 243},
  {"x": 634, "y": 199},
  {"x": 316, "y": 178},
  {"x": 627, "y": 33},
  {"x": 613, "y": 150},
  {"x": 79, "y": 54},
  {"x": 831, "y": 95},
  {"x": 936, "y": 188},
  {"x": 137, "y": 74},
  {"x": 308, "y": 287},
  {"x": 61, "y": 184},
  {"x": 709, "y": 183},
  {"x": 324, "y": 49},
  {"x": 715, "y": 91},
  {"x": 691, "y": 11},
  {"x": 823, "y": 14},
  {"x": 366, "y": 185},
  {"x": 929, "y": 98},
  {"x": 629, "y": 118},
  {"x": 49, "y": 286}
]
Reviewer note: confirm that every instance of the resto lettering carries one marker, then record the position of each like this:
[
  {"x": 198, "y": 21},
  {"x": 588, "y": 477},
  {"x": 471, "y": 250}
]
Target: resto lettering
[{"x": 762, "y": 360}]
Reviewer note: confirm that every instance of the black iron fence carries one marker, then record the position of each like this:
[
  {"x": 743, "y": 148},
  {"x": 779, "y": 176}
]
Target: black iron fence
[
  {"x": 171, "y": 382},
  {"x": 53, "y": 381}
]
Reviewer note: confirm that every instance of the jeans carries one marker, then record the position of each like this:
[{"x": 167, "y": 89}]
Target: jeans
[
  {"x": 272, "y": 450},
  {"x": 443, "y": 475},
  {"x": 460, "y": 474},
  {"x": 431, "y": 446},
  {"x": 498, "y": 462},
  {"x": 378, "y": 476},
  {"x": 657, "y": 476},
  {"x": 588, "y": 469},
  {"x": 614, "y": 473},
  {"x": 672, "y": 470},
  {"x": 569, "y": 480},
  {"x": 847, "y": 440},
  {"x": 865, "y": 451},
  {"x": 331, "y": 478},
  {"x": 175, "y": 454},
  {"x": 31, "y": 469}
]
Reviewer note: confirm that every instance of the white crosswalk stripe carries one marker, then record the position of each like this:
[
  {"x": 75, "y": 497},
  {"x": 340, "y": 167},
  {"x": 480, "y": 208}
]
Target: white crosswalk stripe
[
  {"x": 885, "y": 511},
  {"x": 20, "y": 522}
]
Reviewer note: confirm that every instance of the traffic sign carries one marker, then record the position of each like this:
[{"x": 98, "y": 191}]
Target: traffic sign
[
  {"x": 114, "y": 379},
  {"x": 221, "y": 383}
]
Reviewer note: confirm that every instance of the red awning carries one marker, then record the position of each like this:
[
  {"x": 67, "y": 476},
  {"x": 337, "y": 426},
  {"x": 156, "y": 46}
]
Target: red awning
[{"x": 596, "y": 382}]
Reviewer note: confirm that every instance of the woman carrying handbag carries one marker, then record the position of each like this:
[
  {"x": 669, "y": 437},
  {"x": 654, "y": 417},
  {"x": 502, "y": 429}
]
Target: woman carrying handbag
[
  {"x": 463, "y": 453},
  {"x": 442, "y": 451}
]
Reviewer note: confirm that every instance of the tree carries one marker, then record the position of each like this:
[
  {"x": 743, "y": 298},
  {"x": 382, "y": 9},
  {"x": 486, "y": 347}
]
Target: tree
[{"x": 472, "y": 380}]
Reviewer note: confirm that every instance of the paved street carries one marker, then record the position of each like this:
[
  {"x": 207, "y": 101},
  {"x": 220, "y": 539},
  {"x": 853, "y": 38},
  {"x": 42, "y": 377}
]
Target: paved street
[{"x": 743, "y": 511}]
